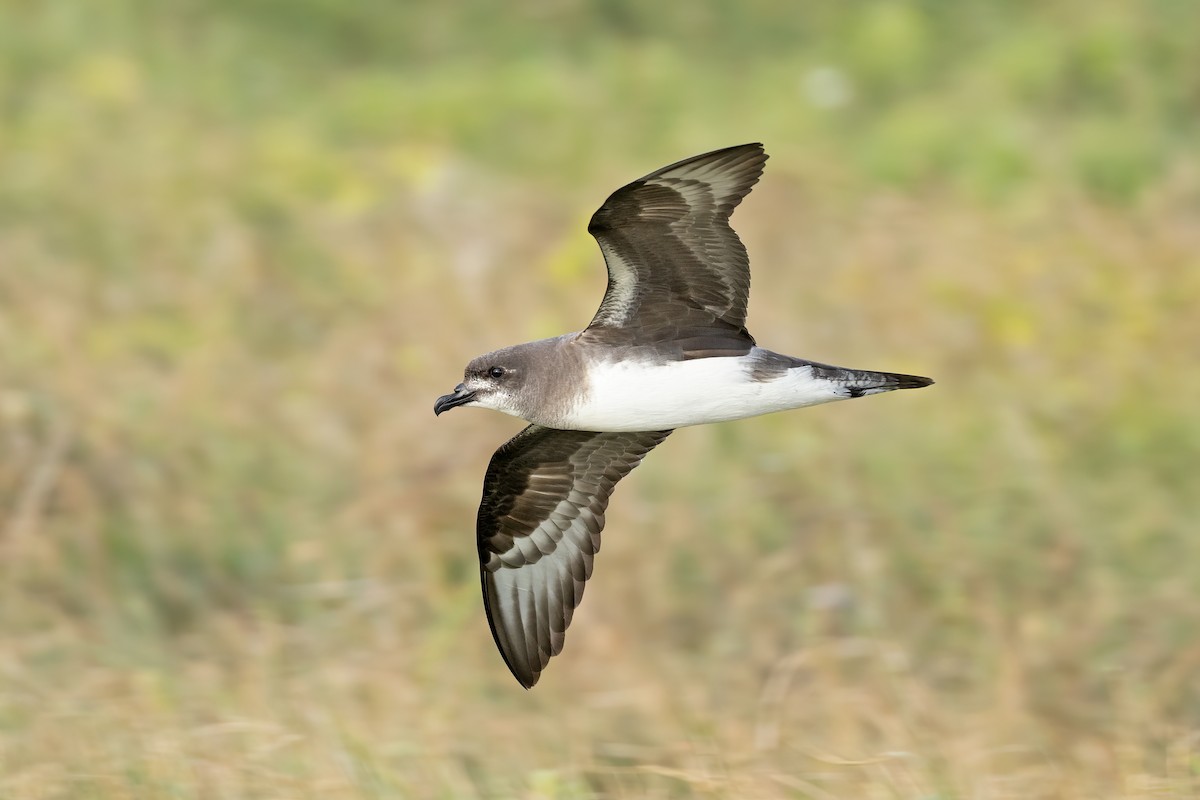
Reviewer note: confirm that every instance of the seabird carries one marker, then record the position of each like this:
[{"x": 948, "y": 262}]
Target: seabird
[{"x": 667, "y": 348}]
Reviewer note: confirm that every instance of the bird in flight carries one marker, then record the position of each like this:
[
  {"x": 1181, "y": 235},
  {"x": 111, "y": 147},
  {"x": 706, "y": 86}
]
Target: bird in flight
[{"x": 667, "y": 348}]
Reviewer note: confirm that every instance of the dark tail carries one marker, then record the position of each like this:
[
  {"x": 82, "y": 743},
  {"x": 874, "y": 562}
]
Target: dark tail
[{"x": 860, "y": 382}]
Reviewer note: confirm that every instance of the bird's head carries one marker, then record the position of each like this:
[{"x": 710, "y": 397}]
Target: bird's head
[{"x": 493, "y": 380}]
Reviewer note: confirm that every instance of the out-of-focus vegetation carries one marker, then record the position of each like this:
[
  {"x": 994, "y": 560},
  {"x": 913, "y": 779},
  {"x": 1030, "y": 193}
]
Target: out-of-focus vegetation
[{"x": 244, "y": 245}]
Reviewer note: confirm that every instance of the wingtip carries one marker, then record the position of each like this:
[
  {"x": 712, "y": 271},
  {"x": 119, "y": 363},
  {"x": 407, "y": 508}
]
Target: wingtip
[
  {"x": 747, "y": 146},
  {"x": 752, "y": 150},
  {"x": 735, "y": 157},
  {"x": 527, "y": 680}
]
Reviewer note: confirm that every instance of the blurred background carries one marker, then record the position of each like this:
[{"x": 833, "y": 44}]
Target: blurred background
[{"x": 245, "y": 245}]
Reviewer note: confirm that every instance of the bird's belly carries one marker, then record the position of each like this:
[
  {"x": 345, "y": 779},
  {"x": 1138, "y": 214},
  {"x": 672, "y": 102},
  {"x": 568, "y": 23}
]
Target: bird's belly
[{"x": 636, "y": 396}]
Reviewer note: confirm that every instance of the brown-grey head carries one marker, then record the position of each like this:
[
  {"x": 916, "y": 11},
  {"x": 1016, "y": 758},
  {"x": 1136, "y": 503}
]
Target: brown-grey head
[{"x": 511, "y": 380}]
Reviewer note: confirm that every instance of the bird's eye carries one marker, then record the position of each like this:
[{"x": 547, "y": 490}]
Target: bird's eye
[{"x": 496, "y": 372}]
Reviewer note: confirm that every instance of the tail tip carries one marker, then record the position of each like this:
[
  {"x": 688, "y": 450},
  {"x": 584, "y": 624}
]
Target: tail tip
[{"x": 912, "y": 381}]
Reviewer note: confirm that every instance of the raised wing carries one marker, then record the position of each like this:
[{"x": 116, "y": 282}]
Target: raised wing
[
  {"x": 539, "y": 527},
  {"x": 678, "y": 276}
]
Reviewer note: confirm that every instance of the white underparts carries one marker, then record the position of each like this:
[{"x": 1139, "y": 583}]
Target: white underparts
[{"x": 638, "y": 396}]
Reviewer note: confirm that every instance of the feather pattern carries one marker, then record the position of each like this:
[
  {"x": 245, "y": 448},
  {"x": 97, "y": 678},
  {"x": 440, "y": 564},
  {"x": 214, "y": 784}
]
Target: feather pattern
[
  {"x": 678, "y": 276},
  {"x": 539, "y": 525}
]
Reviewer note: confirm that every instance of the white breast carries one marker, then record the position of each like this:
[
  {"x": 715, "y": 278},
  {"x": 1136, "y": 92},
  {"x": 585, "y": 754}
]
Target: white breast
[{"x": 635, "y": 396}]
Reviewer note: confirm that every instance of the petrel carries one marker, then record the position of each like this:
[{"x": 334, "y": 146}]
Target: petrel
[{"x": 667, "y": 348}]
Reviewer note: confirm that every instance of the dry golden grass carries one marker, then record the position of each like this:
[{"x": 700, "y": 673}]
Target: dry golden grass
[{"x": 238, "y": 551}]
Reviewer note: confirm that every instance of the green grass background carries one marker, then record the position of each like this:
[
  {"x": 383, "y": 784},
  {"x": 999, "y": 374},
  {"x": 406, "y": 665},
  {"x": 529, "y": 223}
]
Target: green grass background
[{"x": 244, "y": 245}]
